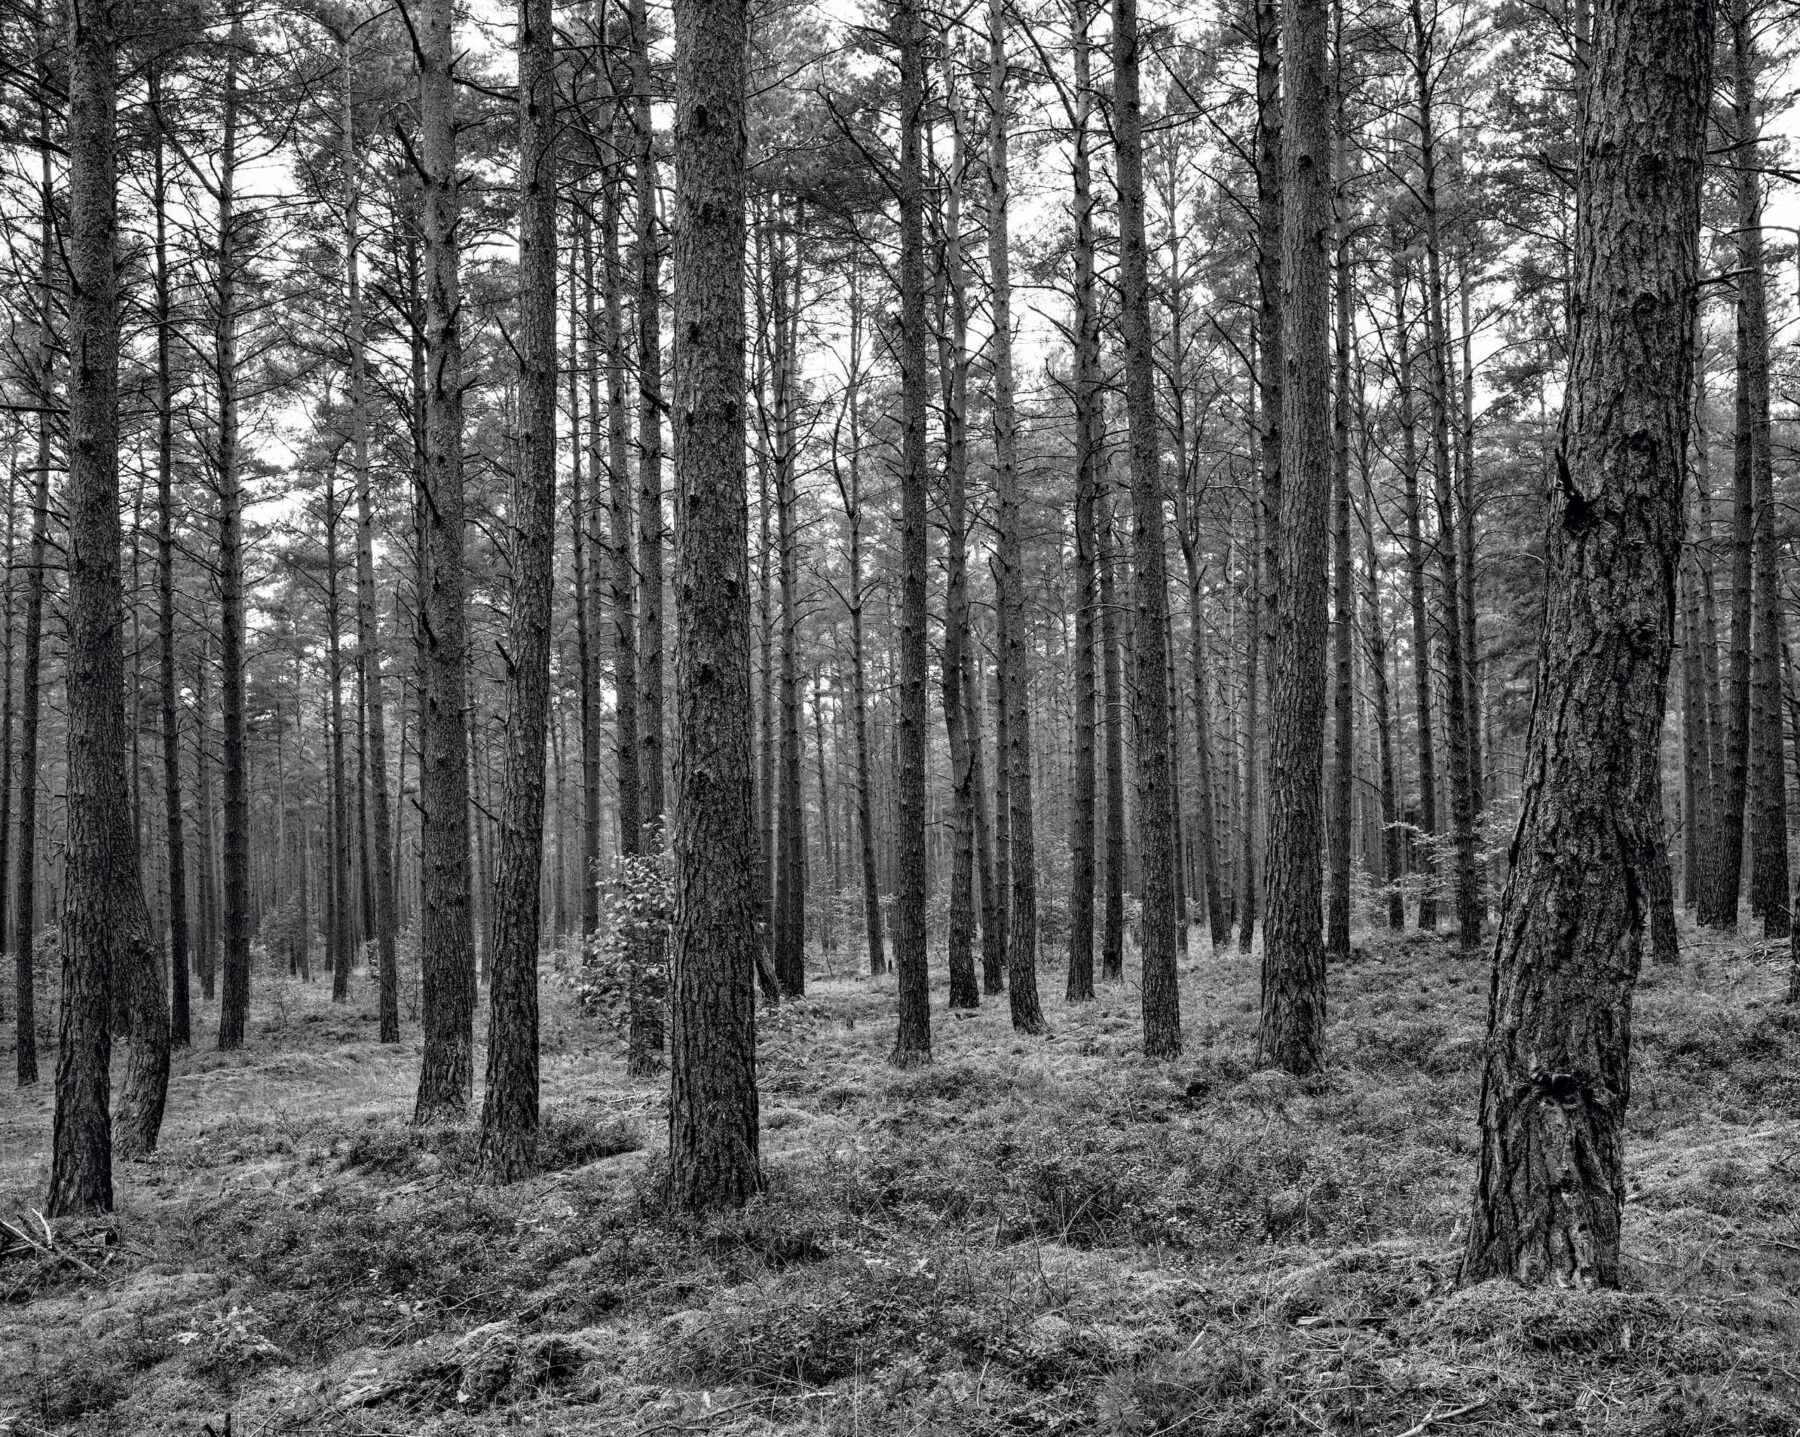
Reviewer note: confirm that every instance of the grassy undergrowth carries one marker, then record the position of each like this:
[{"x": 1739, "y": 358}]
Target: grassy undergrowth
[{"x": 1045, "y": 1235}]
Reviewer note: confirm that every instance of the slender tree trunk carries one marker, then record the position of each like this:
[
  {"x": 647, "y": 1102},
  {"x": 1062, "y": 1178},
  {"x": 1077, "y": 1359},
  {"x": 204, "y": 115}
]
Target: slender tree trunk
[
  {"x": 208, "y": 947},
  {"x": 649, "y": 982},
  {"x": 1270, "y": 202},
  {"x": 1768, "y": 768},
  {"x": 509, "y": 1112},
  {"x": 1556, "y": 1082},
  {"x": 997, "y": 901},
  {"x": 1391, "y": 860},
  {"x": 234, "y": 997},
  {"x": 379, "y": 882},
  {"x": 587, "y": 556},
  {"x": 1089, "y": 416},
  {"x": 1343, "y": 631},
  {"x": 1421, "y": 612},
  {"x": 912, "y": 1044},
  {"x": 712, "y": 1100},
  {"x": 850, "y": 490},
  {"x": 447, "y": 939},
  {"x": 1457, "y": 715},
  {"x": 180, "y": 1016},
  {"x": 1156, "y": 818},
  {"x": 953, "y": 367},
  {"x": 1249, "y": 887},
  {"x": 342, "y": 948},
  {"x": 31, "y": 698},
  {"x": 790, "y": 815},
  {"x": 1021, "y": 923}
]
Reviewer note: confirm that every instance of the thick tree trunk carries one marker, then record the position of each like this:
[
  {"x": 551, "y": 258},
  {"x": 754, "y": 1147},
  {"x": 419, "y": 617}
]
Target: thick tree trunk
[
  {"x": 1551, "y": 1181},
  {"x": 447, "y": 939},
  {"x": 509, "y": 1111},
  {"x": 912, "y": 1043},
  {"x": 1156, "y": 818},
  {"x": 1292, "y": 1034},
  {"x": 712, "y": 1100},
  {"x": 111, "y": 967}
]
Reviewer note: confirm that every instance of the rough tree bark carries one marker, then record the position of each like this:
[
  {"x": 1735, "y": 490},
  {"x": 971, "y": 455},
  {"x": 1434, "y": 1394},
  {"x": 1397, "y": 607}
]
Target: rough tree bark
[
  {"x": 953, "y": 370},
  {"x": 1156, "y": 819},
  {"x": 648, "y": 983},
  {"x": 380, "y": 859},
  {"x": 912, "y": 1044},
  {"x": 509, "y": 1111},
  {"x": 1556, "y": 1081},
  {"x": 1292, "y": 1033},
  {"x": 111, "y": 966},
  {"x": 234, "y": 995},
  {"x": 1088, "y": 443},
  {"x": 712, "y": 1099},
  {"x": 447, "y": 938},
  {"x": 1021, "y": 921}
]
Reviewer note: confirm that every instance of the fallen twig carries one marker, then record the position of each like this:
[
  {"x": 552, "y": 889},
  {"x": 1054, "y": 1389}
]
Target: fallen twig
[
  {"x": 47, "y": 1247},
  {"x": 1431, "y": 1419}
]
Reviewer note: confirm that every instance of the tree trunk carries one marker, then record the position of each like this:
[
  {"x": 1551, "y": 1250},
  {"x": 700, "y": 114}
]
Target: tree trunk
[
  {"x": 1156, "y": 818},
  {"x": 1457, "y": 716},
  {"x": 380, "y": 881},
  {"x": 234, "y": 996},
  {"x": 953, "y": 367},
  {"x": 509, "y": 1111},
  {"x": 1343, "y": 629},
  {"x": 1292, "y": 1034},
  {"x": 712, "y": 1099},
  {"x": 1556, "y": 1080},
  {"x": 111, "y": 967},
  {"x": 1021, "y": 923},
  {"x": 1768, "y": 768},
  {"x": 180, "y": 1016},
  {"x": 790, "y": 818},
  {"x": 589, "y": 556},
  {"x": 1089, "y": 415},
  {"x": 339, "y": 948},
  {"x": 1421, "y": 611},
  {"x": 447, "y": 939},
  {"x": 31, "y": 698},
  {"x": 850, "y": 490},
  {"x": 648, "y": 970},
  {"x": 912, "y": 1043},
  {"x": 1391, "y": 861}
]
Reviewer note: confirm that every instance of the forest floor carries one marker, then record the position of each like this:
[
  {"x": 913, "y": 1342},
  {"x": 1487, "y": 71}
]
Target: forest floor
[{"x": 1043, "y": 1235}]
